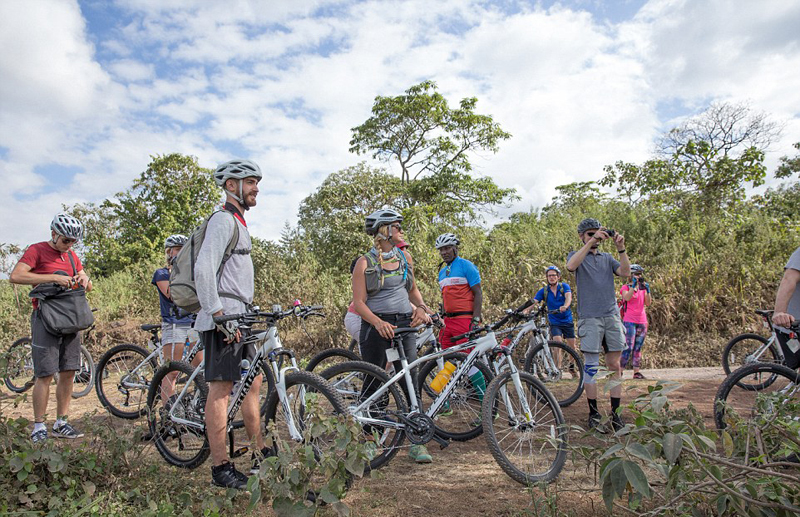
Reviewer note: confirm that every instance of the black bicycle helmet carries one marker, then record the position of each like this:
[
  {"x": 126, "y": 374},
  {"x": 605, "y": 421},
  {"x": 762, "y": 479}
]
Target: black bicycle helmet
[{"x": 589, "y": 223}]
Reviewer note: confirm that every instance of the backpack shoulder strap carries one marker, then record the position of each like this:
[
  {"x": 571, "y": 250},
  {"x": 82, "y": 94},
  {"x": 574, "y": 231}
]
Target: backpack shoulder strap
[{"x": 72, "y": 261}]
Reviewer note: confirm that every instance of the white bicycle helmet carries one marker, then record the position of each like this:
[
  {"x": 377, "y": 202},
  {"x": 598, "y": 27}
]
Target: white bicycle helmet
[
  {"x": 636, "y": 268},
  {"x": 67, "y": 226},
  {"x": 238, "y": 170},
  {"x": 381, "y": 218},
  {"x": 446, "y": 239},
  {"x": 174, "y": 241}
]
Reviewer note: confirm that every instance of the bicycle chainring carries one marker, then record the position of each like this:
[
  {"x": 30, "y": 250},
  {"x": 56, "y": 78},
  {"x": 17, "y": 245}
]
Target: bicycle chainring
[{"x": 420, "y": 428}]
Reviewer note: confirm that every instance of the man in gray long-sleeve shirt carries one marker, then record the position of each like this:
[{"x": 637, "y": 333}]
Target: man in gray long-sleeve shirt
[{"x": 227, "y": 288}]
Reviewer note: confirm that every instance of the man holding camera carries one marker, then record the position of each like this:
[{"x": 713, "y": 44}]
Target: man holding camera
[{"x": 599, "y": 324}]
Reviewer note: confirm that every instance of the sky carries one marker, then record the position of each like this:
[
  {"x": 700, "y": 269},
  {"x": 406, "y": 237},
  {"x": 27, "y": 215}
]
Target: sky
[{"x": 92, "y": 89}]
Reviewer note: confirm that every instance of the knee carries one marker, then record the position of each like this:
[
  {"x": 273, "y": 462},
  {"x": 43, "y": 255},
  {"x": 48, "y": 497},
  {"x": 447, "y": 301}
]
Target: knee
[{"x": 44, "y": 381}]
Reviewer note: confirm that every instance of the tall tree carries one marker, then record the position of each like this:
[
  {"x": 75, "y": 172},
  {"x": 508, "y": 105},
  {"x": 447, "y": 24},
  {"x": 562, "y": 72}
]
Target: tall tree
[
  {"x": 424, "y": 134},
  {"x": 709, "y": 159},
  {"x": 172, "y": 195}
]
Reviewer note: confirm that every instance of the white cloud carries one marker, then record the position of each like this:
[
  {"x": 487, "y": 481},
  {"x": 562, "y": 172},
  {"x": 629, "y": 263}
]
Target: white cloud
[{"x": 284, "y": 84}]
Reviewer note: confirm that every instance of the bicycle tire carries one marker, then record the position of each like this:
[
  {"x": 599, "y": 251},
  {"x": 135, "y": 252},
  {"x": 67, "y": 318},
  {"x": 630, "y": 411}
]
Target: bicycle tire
[
  {"x": 731, "y": 395},
  {"x": 738, "y": 352},
  {"x": 18, "y": 376},
  {"x": 299, "y": 385},
  {"x": 338, "y": 354},
  {"x": 128, "y": 400},
  {"x": 465, "y": 401},
  {"x": 345, "y": 378},
  {"x": 84, "y": 376},
  {"x": 191, "y": 445},
  {"x": 566, "y": 385},
  {"x": 516, "y": 457}
]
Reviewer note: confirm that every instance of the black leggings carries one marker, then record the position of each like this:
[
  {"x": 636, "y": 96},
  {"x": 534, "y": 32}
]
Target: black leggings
[{"x": 373, "y": 347}]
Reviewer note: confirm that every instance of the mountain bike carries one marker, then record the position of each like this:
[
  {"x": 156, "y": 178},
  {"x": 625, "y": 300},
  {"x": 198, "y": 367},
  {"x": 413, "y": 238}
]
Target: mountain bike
[
  {"x": 177, "y": 423},
  {"x": 520, "y": 418},
  {"x": 124, "y": 373},
  {"x": 749, "y": 348},
  {"x": 19, "y": 377}
]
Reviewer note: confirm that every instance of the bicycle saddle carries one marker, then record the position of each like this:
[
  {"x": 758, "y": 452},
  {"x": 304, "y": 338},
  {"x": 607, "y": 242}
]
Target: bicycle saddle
[
  {"x": 764, "y": 313},
  {"x": 150, "y": 327},
  {"x": 402, "y": 331}
]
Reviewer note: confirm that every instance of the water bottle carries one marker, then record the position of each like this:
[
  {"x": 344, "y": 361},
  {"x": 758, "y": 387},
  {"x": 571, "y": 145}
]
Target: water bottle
[
  {"x": 245, "y": 367},
  {"x": 443, "y": 377}
]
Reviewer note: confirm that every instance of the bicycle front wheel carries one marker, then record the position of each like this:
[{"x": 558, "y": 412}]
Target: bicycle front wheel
[
  {"x": 355, "y": 381},
  {"x": 123, "y": 380},
  {"x": 529, "y": 447},
  {"x": 181, "y": 445},
  {"x": 83, "y": 382},
  {"x": 748, "y": 349},
  {"x": 734, "y": 403},
  {"x": 459, "y": 418},
  {"x": 19, "y": 369},
  {"x": 329, "y": 357},
  {"x": 296, "y": 431},
  {"x": 563, "y": 376}
]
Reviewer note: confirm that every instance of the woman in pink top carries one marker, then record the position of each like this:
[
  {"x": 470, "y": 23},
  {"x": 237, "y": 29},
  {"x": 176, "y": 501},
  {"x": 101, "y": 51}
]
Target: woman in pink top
[{"x": 635, "y": 297}]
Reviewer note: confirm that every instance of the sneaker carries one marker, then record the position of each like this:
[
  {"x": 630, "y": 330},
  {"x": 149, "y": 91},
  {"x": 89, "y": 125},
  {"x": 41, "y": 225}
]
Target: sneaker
[
  {"x": 226, "y": 476},
  {"x": 419, "y": 454},
  {"x": 65, "y": 430},
  {"x": 639, "y": 376},
  {"x": 39, "y": 436},
  {"x": 446, "y": 409},
  {"x": 595, "y": 425},
  {"x": 255, "y": 460}
]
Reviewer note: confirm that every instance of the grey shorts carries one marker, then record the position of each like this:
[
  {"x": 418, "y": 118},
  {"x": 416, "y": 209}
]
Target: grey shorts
[
  {"x": 51, "y": 353},
  {"x": 175, "y": 333},
  {"x": 593, "y": 330}
]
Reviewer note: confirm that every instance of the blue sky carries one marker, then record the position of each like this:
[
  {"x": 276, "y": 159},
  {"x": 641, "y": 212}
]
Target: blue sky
[{"x": 106, "y": 84}]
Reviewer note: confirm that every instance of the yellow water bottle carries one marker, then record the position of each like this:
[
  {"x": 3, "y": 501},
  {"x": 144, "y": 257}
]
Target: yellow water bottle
[{"x": 443, "y": 377}]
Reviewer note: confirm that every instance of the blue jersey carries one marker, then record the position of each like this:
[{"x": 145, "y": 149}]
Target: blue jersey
[
  {"x": 168, "y": 308},
  {"x": 554, "y": 301}
]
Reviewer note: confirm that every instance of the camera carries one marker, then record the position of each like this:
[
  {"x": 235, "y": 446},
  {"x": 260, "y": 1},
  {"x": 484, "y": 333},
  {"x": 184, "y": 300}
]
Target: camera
[{"x": 610, "y": 232}]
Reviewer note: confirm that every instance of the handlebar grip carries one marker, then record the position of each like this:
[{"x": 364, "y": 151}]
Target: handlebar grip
[
  {"x": 524, "y": 305},
  {"x": 227, "y": 317}
]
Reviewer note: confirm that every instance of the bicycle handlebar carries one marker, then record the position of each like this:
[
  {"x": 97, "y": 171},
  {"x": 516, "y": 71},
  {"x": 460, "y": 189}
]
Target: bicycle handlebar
[{"x": 301, "y": 311}]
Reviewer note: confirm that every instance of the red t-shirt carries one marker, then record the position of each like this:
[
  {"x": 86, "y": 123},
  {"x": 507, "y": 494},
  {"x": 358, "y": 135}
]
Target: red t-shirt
[{"x": 44, "y": 260}]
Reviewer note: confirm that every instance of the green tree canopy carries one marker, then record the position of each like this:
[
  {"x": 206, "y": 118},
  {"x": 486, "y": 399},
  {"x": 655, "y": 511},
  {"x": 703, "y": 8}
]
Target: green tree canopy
[
  {"x": 173, "y": 195},
  {"x": 424, "y": 134}
]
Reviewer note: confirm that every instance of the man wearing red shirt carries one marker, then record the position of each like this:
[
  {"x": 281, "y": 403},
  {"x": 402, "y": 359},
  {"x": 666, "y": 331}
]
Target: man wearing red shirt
[{"x": 43, "y": 262}]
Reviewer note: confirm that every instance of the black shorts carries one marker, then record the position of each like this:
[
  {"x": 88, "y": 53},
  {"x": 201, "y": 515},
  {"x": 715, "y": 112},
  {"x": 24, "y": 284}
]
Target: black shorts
[
  {"x": 224, "y": 360},
  {"x": 53, "y": 353}
]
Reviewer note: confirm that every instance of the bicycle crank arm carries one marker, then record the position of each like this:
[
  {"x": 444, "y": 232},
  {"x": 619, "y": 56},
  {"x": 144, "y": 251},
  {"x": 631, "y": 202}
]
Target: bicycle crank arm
[{"x": 443, "y": 442}]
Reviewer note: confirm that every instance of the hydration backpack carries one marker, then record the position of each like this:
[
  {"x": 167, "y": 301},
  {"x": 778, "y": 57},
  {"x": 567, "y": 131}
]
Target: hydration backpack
[
  {"x": 374, "y": 274},
  {"x": 182, "y": 288}
]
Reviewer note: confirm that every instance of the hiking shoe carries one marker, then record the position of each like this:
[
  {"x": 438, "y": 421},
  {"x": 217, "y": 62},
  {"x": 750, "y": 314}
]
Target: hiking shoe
[
  {"x": 419, "y": 454},
  {"x": 255, "y": 460},
  {"x": 65, "y": 430},
  {"x": 639, "y": 376},
  {"x": 595, "y": 425},
  {"x": 616, "y": 422},
  {"x": 226, "y": 476},
  {"x": 39, "y": 436},
  {"x": 446, "y": 409}
]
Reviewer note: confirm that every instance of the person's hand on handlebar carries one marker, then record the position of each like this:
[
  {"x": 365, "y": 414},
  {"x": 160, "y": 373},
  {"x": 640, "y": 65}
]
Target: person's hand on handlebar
[
  {"x": 563, "y": 308},
  {"x": 419, "y": 317},
  {"x": 385, "y": 329},
  {"x": 230, "y": 329},
  {"x": 783, "y": 319}
]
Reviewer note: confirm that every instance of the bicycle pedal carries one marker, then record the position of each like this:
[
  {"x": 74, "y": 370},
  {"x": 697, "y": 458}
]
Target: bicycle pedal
[{"x": 241, "y": 451}]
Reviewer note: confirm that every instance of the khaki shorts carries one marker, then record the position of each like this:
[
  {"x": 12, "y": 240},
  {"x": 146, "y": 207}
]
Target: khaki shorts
[{"x": 593, "y": 330}]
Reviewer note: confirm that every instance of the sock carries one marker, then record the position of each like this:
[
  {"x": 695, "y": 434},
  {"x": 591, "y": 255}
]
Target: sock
[
  {"x": 478, "y": 381},
  {"x": 615, "y": 404},
  {"x": 60, "y": 421},
  {"x": 593, "y": 407},
  {"x": 39, "y": 426}
]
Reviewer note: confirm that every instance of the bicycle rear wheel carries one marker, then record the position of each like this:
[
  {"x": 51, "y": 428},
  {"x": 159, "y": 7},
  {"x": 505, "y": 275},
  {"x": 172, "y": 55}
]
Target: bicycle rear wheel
[
  {"x": 83, "y": 383},
  {"x": 123, "y": 380},
  {"x": 564, "y": 382},
  {"x": 18, "y": 375},
  {"x": 741, "y": 351},
  {"x": 734, "y": 402},
  {"x": 459, "y": 418},
  {"x": 329, "y": 357},
  {"x": 310, "y": 398},
  {"x": 180, "y": 445},
  {"x": 354, "y": 381},
  {"x": 532, "y": 449}
]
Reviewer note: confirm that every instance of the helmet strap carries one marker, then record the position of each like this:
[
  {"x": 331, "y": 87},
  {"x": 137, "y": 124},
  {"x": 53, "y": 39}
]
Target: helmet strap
[{"x": 240, "y": 198}]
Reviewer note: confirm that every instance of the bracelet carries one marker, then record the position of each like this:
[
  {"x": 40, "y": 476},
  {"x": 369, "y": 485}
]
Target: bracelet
[{"x": 621, "y": 252}]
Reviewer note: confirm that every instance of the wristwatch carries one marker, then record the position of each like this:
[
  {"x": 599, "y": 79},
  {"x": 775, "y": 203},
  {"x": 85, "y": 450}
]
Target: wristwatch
[{"x": 476, "y": 319}]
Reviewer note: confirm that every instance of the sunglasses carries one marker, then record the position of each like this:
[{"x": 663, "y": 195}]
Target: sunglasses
[
  {"x": 397, "y": 227},
  {"x": 68, "y": 241}
]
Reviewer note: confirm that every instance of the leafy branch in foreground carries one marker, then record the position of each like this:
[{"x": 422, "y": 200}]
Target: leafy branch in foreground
[{"x": 668, "y": 463}]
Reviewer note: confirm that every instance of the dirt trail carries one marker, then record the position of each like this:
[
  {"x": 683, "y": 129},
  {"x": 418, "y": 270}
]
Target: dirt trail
[{"x": 463, "y": 478}]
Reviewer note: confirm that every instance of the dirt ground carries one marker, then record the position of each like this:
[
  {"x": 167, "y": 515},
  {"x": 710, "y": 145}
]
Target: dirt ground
[{"x": 463, "y": 478}]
